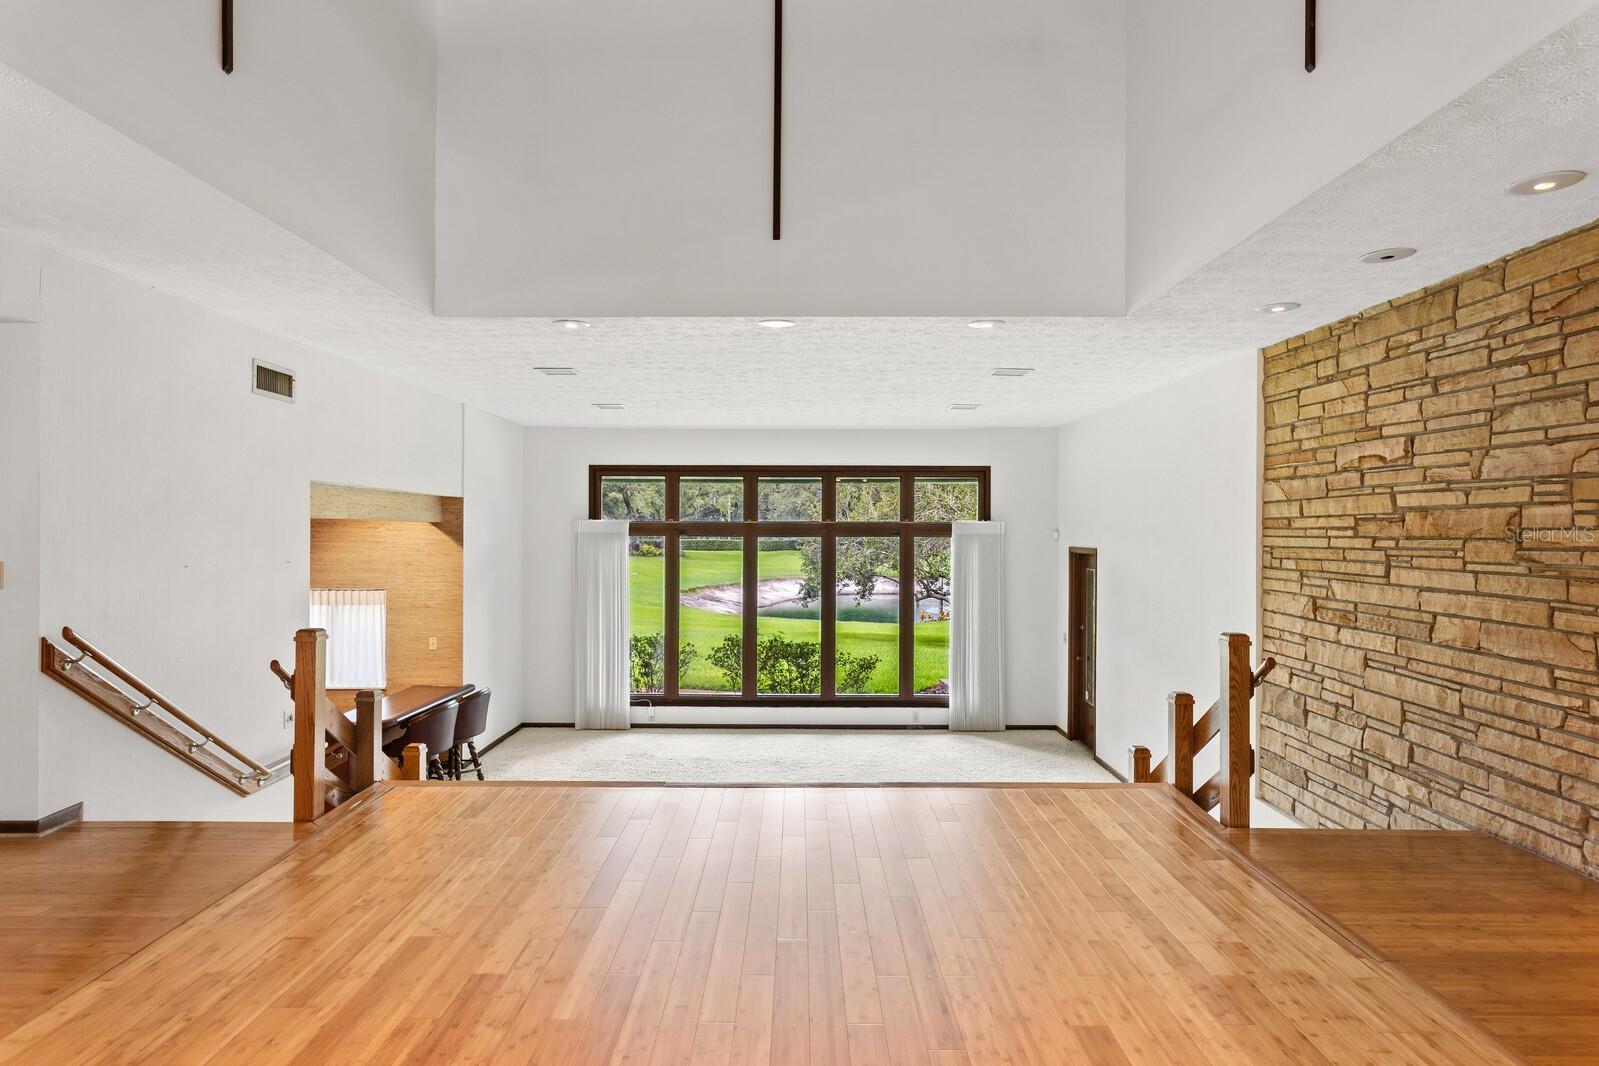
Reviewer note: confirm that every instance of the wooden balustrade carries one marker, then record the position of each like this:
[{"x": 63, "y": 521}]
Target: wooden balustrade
[
  {"x": 104, "y": 682},
  {"x": 1227, "y": 719},
  {"x": 333, "y": 758}
]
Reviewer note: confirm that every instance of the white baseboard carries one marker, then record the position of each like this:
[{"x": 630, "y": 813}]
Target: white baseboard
[{"x": 777, "y": 717}]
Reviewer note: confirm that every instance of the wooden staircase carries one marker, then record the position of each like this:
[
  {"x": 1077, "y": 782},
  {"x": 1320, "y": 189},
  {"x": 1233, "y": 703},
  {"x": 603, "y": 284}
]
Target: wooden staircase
[
  {"x": 118, "y": 692},
  {"x": 1228, "y": 718},
  {"x": 335, "y": 759}
]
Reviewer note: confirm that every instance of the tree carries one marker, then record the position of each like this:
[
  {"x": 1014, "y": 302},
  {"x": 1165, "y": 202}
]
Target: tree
[
  {"x": 711, "y": 500},
  {"x": 861, "y": 561},
  {"x": 867, "y": 500},
  {"x": 951, "y": 500},
  {"x": 633, "y": 498},
  {"x": 858, "y": 564},
  {"x": 790, "y": 500},
  {"x": 932, "y": 571}
]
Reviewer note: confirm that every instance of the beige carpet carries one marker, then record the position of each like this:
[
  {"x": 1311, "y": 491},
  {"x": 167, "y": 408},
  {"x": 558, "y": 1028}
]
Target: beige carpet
[{"x": 789, "y": 756}]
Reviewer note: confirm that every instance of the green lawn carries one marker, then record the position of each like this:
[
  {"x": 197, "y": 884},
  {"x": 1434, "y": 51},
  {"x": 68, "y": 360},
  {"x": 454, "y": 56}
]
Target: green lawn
[{"x": 706, "y": 629}]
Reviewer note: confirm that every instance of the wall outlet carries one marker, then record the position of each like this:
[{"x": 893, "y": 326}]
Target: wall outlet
[
  {"x": 288, "y": 719},
  {"x": 916, "y": 716},
  {"x": 433, "y": 644}
]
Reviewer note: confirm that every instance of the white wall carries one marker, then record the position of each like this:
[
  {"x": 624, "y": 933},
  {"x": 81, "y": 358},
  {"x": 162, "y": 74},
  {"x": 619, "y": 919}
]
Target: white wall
[
  {"x": 1226, "y": 131},
  {"x": 326, "y": 125},
  {"x": 493, "y": 634},
  {"x": 19, "y": 582},
  {"x": 1165, "y": 486},
  {"x": 174, "y": 526},
  {"x": 1023, "y": 486},
  {"x": 615, "y": 159}
]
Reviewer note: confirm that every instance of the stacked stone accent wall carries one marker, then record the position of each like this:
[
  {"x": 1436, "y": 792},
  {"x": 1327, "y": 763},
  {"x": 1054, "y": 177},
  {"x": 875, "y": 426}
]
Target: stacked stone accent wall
[{"x": 1430, "y": 570}]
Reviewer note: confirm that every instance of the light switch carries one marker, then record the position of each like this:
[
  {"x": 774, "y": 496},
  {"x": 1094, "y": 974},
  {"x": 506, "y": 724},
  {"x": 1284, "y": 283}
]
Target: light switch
[{"x": 433, "y": 644}]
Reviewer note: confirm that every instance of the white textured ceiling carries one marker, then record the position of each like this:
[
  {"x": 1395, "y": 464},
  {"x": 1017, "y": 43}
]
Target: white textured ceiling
[
  {"x": 70, "y": 182},
  {"x": 605, "y": 158}
]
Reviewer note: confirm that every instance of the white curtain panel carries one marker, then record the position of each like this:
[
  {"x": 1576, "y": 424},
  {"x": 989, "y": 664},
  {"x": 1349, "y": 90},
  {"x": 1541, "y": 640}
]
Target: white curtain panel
[
  {"x": 599, "y": 626},
  {"x": 357, "y": 625},
  {"x": 977, "y": 626}
]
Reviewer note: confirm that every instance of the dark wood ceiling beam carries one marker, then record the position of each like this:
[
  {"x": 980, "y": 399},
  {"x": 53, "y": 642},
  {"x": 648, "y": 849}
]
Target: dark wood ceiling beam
[{"x": 1310, "y": 35}]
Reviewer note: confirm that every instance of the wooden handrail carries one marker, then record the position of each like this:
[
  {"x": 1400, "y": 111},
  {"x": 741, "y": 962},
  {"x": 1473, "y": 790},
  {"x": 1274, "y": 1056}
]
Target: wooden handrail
[
  {"x": 1205, "y": 730},
  {"x": 1227, "y": 718},
  {"x": 127, "y": 677},
  {"x": 282, "y": 675},
  {"x": 207, "y": 752}
]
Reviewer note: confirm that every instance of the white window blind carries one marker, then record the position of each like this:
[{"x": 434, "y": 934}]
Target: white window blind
[{"x": 357, "y": 625}]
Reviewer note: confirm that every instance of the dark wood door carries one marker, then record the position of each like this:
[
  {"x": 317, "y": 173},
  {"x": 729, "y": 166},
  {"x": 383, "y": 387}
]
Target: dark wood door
[{"x": 1083, "y": 597}]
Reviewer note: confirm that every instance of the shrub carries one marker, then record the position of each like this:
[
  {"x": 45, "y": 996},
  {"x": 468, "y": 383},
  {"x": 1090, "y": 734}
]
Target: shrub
[
  {"x": 648, "y": 660},
  {"x": 789, "y": 667},
  {"x": 648, "y": 654},
  {"x": 728, "y": 657},
  {"x": 854, "y": 671}
]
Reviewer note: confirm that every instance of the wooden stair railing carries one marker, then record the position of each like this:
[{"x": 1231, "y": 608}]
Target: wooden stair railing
[
  {"x": 152, "y": 715},
  {"x": 334, "y": 759},
  {"x": 1228, "y": 718}
]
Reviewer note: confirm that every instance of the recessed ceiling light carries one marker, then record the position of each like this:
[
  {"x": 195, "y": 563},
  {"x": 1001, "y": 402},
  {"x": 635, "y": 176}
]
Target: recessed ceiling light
[
  {"x": 986, "y": 323},
  {"x": 609, "y": 406},
  {"x": 572, "y": 323},
  {"x": 1011, "y": 371},
  {"x": 557, "y": 371},
  {"x": 776, "y": 323},
  {"x": 1387, "y": 255},
  {"x": 1553, "y": 181},
  {"x": 1277, "y": 309},
  {"x": 964, "y": 406}
]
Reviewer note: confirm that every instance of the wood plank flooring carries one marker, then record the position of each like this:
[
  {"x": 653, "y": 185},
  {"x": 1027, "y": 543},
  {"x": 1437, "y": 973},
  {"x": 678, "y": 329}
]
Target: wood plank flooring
[
  {"x": 76, "y": 902},
  {"x": 1508, "y": 938},
  {"x": 568, "y": 924}
]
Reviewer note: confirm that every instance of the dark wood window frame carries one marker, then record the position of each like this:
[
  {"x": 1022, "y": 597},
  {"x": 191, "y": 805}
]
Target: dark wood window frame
[{"x": 750, "y": 530}]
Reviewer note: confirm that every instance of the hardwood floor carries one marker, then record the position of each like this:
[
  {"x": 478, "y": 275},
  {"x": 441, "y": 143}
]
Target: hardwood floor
[
  {"x": 523, "y": 923},
  {"x": 1509, "y": 939},
  {"x": 78, "y": 901}
]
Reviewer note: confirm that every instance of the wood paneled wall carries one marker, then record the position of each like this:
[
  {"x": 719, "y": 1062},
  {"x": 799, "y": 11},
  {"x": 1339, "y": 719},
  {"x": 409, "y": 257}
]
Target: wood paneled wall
[
  {"x": 419, "y": 563},
  {"x": 1430, "y": 573}
]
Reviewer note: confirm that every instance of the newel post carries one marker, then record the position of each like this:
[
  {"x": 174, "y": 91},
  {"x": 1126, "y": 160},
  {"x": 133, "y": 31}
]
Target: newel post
[
  {"x": 309, "y": 758},
  {"x": 1180, "y": 741},
  {"x": 414, "y": 763},
  {"x": 364, "y": 771},
  {"x": 1139, "y": 757},
  {"x": 1237, "y": 686}
]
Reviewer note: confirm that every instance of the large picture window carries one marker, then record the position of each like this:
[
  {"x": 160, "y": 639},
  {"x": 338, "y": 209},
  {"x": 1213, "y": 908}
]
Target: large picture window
[{"x": 790, "y": 585}]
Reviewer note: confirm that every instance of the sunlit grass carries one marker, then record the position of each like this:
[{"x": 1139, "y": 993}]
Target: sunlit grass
[{"x": 706, "y": 629}]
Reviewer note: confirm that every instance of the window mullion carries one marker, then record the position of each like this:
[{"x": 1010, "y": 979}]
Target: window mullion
[
  {"x": 907, "y": 588},
  {"x": 751, "y": 595},
  {"x": 907, "y": 615},
  {"x": 829, "y": 585},
  {"x": 673, "y": 600}
]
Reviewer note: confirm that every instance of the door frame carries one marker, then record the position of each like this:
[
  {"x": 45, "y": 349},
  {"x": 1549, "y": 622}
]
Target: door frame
[{"x": 1081, "y": 714}]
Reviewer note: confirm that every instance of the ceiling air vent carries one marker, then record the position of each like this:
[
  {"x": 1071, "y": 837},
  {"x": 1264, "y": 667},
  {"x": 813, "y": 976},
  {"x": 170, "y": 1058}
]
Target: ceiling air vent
[{"x": 274, "y": 381}]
